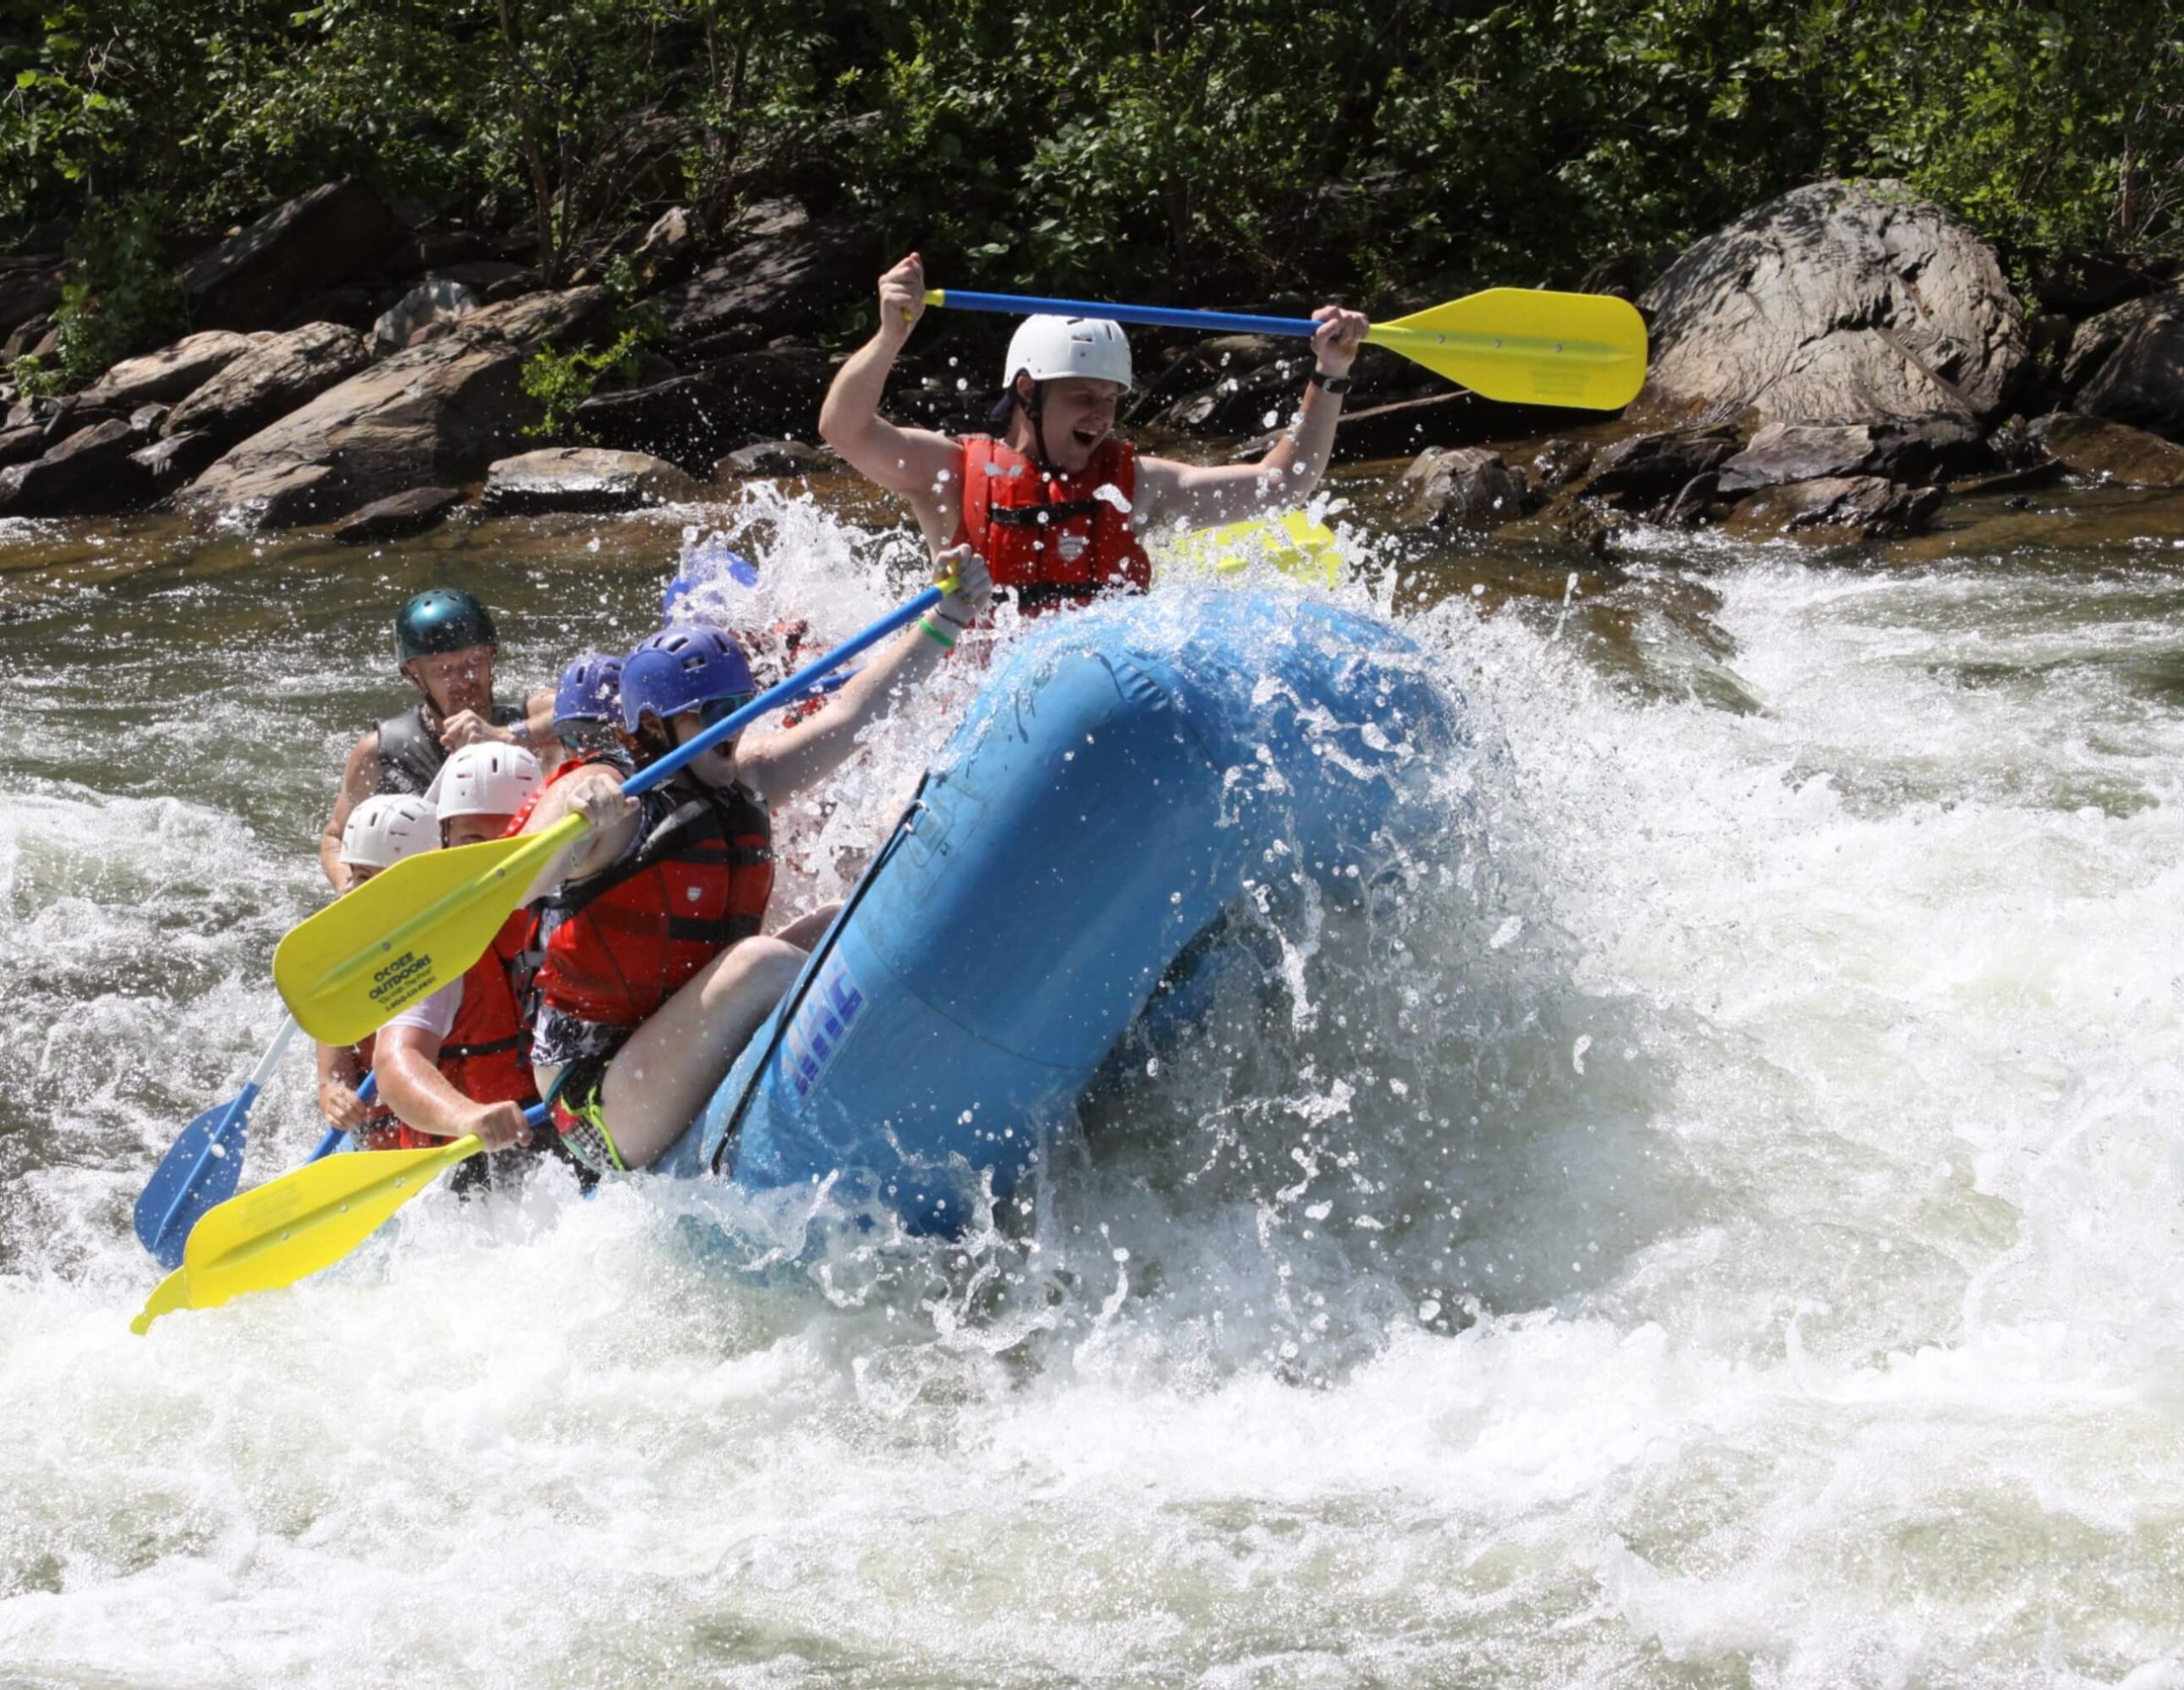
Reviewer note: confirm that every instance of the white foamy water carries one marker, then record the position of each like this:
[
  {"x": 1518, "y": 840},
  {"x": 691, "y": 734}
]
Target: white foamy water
[{"x": 1719, "y": 1225}]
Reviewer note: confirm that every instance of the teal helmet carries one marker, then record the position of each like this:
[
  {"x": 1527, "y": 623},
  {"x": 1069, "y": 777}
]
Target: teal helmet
[{"x": 444, "y": 619}]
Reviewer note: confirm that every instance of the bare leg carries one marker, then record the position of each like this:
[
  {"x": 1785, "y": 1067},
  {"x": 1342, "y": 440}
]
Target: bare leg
[
  {"x": 804, "y": 932},
  {"x": 660, "y": 1079}
]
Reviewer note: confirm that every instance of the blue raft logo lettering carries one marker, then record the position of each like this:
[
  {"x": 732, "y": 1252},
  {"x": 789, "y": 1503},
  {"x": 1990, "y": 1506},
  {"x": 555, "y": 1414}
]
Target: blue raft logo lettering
[{"x": 822, "y": 1024}]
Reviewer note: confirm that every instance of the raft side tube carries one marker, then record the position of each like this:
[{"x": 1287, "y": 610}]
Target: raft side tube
[{"x": 1122, "y": 779}]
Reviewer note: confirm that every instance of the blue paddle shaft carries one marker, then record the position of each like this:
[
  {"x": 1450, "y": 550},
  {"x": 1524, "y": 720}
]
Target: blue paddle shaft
[
  {"x": 781, "y": 693},
  {"x": 1166, "y": 316},
  {"x": 172, "y": 1201}
]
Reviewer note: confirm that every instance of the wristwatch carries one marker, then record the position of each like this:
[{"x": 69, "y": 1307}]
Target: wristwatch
[{"x": 1332, "y": 384}]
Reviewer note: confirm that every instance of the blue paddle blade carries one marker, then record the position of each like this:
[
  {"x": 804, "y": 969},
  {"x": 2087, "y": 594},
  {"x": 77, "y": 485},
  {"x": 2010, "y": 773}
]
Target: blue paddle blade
[{"x": 202, "y": 1170}]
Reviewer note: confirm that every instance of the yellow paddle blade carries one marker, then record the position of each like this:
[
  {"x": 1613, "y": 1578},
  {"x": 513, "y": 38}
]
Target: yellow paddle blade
[
  {"x": 1525, "y": 346},
  {"x": 172, "y": 1293},
  {"x": 406, "y": 932},
  {"x": 310, "y": 1218},
  {"x": 1292, "y": 543}
]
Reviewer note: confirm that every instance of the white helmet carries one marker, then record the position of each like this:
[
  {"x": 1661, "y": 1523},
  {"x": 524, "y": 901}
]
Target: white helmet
[
  {"x": 486, "y": 779},
  {"x": 388, "y": 827},
  {"x": 1049, "y": 348}
]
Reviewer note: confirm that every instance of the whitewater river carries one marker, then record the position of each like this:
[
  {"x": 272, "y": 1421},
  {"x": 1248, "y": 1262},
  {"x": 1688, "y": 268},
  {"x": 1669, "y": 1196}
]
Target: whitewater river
[{"x": 1723, "y": 1228}]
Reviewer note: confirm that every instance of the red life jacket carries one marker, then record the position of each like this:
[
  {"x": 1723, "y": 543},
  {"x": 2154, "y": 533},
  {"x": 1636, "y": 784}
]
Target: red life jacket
[
  {"x": 484, "y": 1055},
  {"x": 560, "y": 772},
  {"x": 615, "y": 945},
  {"x": 1049, "y": 536}
]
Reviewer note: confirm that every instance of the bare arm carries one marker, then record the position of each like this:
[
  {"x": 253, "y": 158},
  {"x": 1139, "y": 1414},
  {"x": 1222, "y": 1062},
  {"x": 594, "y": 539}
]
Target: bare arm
[
  {"x": 1205, "y": 495},
  {"x": 538, "y": 729},
  {"x": 912, "y": 461},
  {"x": 783, "y": 764},
  {"x": 407, "y": 1061},
  {"x": 469, "y": 728},
  {"x": 359, "y": 781},
  {"x": 594, "y": 793},
  {"x": 338, "y": 1077}
]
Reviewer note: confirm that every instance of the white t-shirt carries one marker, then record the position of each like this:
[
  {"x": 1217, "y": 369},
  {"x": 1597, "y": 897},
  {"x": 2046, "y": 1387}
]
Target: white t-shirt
[{"x": 436, "y": 1014}]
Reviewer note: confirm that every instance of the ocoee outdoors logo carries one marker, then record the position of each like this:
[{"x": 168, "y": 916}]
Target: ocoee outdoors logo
[
  {"x": 399, "y": 979},
  {"x": 822, "y": 1024}
]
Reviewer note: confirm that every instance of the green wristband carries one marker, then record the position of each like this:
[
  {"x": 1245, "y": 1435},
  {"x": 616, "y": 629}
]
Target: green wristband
[{"x": 947, "y": 642}]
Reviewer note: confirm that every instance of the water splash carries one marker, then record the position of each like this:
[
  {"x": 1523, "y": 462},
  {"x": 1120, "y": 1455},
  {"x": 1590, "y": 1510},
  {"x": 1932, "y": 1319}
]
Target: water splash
[{"x": 1818, "y": 1327}]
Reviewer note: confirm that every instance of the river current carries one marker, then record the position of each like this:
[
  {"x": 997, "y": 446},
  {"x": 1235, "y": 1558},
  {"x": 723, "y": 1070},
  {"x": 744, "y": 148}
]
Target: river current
[{"x": 1719, "y": 1225}]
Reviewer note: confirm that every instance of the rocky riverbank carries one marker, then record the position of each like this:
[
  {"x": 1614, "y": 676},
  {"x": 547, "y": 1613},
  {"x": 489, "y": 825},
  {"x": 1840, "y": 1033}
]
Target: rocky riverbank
[{"x": 1837, "y": 364}]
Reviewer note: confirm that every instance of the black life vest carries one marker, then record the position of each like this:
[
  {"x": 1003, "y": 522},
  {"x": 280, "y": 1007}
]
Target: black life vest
[{"x": 410, "y": 752}]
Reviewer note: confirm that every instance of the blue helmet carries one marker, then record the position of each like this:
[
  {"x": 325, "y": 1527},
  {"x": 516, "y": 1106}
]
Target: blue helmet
[
  {"x": 591, "y": 689},
  {"x": 679, "y": 669},
  {"x": 698, "y": 566}
]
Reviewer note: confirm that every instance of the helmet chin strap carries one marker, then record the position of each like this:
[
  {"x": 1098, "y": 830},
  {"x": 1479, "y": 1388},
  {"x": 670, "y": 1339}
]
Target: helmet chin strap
[{"x": 1035, "y": 410}]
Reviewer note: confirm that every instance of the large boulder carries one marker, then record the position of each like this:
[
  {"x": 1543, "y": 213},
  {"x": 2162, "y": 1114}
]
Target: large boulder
[
  {"x": 398, "y": 516},
  {"x": 88, "y": 473},
  {"x": 778, "y": 390},
  {"x": 335, "y": 234},
  {"x": 437, "y": 413},
  {"x": 693, "y": 420},
  {"x": 175, "y": 460},
  {"x": 21, "y": 444},
  {"x": 33, "y": 337},
  {"x": 269, "y": 381},
  {"x": 585, "y": 478},
  {"x": 1464, "y": 487},
  {"x": 671, "y": 248},
  {"x": 2127, "y": 364},
  {"x": 29, "y": 288},
  {"x": 1839, "y": 302},
  {"x": 558, "y": 320},
  {"x": 2114, "y": 451},
  {"x": 1833, "y": 508},
  {"x": 169, "y": 375},
  {"x": 1559, "y": 461},
  {"x": 434, "y": 415},
  {"x": 686, "y": 419},
  {"x": 1783, "y": 452},
  {"x": 427, "y": 310},
  {"x": 781, "y": 268},
  {"x": 1233, "y": 384},
  {"x": 1647, "y": 468}
]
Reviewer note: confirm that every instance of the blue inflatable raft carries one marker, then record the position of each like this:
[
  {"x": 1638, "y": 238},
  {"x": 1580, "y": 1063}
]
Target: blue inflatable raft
[{"x": 1128, "y": 774}]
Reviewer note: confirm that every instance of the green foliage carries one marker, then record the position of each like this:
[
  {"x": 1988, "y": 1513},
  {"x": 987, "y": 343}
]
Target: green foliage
[
  {"x": 1243, "y": 148},
  {"x": 33, "y": 381},
  {"x": 560, "y": 381},
  {"x": 120, "y": 297}
]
